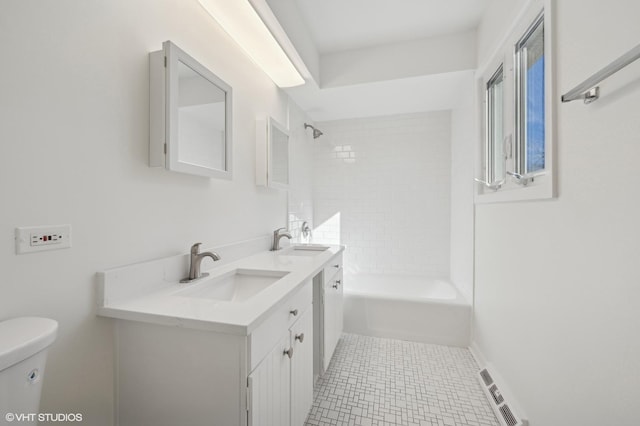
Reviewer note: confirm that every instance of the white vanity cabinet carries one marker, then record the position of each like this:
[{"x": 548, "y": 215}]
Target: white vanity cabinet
[
  {"x": 302, "y": 369},
  {"x": 169, "y": 376},
  {"x": 185, "y": 358},
  {"x": 332, "y": 277},
  {"x": 269, "y": 388},
  {"x": 280, "y": 388}
]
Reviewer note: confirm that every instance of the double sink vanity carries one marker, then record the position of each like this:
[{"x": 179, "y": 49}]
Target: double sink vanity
[
  {"x": 242, "y": 342},
  {"x": 239, "y": 346}
]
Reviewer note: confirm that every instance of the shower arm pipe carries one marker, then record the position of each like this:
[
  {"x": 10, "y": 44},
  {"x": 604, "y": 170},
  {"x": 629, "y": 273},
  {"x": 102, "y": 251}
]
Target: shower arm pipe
[
  {"x": 316, "y": 132},
  {"x": 588, "y": 89}
]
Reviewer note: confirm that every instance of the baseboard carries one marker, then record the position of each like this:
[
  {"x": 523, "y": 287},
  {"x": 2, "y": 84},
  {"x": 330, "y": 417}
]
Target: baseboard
[
  {"x": 483, "y": 362},
  {"x": 477, "y": 354}
]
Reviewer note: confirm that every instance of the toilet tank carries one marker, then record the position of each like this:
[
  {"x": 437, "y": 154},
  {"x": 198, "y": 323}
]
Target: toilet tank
[{"x": 23, "y": 354}]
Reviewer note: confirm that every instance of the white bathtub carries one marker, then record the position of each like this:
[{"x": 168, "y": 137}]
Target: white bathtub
[{"x": 406, "y": 307}]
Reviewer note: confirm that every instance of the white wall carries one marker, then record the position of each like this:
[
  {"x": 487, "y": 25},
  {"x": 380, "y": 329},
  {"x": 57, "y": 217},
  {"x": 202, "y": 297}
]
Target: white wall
[
  {"x": 74, "y": 129},
  {"x": 499, "y": 16},
  {"x": 557, "y": 296},
  {"x": 388, "y": 179},
  {"x": 463, "y": 142}
]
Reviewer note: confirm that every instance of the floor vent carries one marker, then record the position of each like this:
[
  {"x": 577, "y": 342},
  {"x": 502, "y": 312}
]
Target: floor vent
[
  {"x": 508, "y": 416},
  {"x": 486, "y": 377},
  {"x": 497, "y": 396},
  {"x": 503, "y": 412}
]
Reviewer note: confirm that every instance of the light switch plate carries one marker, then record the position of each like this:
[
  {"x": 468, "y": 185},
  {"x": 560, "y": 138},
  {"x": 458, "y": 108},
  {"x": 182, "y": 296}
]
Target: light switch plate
[{"x": 40, "y": 238}]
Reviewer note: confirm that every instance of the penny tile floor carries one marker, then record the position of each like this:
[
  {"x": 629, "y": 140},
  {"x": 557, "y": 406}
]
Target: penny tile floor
[{"x": 383, "y": 382}]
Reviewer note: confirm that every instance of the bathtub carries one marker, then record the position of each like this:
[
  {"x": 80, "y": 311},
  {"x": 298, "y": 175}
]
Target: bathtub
[{"x": 406, "y": 307}]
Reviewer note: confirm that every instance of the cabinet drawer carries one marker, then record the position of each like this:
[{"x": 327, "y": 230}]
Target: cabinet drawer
[
  {"x": 263, "y": 338},
  {"x": 331, "y": 268}
]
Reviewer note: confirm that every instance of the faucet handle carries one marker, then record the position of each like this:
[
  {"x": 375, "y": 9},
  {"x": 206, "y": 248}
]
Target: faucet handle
[{"x": 195, "y": 249}]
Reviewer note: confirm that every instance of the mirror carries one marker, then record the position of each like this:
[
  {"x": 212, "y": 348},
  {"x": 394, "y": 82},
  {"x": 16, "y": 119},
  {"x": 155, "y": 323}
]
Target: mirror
[
  {"x": 279, "y": 154},
  {"x": 272, "y": 154},
  {"x": 190, "y": 116}
]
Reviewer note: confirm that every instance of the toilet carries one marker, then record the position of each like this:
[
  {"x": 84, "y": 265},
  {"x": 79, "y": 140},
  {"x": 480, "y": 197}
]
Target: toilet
[{"x": 23, "y": 354}]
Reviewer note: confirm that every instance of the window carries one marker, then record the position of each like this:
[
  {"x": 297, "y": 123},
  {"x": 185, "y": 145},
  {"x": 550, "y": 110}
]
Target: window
[
  {"x": 530, "y": 101},
  {"x": 495, "y": 165},
  {"x": 514, "y": 97}
]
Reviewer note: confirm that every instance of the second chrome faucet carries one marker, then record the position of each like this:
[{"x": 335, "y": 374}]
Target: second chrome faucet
[
  {"x": 195, "y": 262},
  {"x": 277, "y": 235}
]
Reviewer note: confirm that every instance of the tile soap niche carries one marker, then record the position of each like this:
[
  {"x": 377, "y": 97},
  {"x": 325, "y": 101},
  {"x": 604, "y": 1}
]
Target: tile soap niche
[{"x": 272, "y": 154}]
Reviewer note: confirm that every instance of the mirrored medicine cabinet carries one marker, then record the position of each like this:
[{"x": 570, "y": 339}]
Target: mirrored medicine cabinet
[
  {"x": 190, "y": 115},
  {"x": 272, "y": 154}
]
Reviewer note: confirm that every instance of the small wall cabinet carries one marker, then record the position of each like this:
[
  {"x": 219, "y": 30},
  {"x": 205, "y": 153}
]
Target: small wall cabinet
[
  {"x": 189, "y": 117},
  {"x": 272, "y": 154}
]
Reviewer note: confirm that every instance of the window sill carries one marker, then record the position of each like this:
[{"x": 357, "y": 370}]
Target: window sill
[{"x": 540, "y": 189}]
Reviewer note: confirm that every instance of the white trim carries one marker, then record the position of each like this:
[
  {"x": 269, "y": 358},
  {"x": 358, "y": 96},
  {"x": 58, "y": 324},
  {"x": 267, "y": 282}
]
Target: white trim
[
  {"x": 543, "y": 187},
  {"x": 175, "y": 55},
  {"x": 477, "y": 354},
  {"x": 498, "y": 378},
  {"x": 264, "y": 154}
]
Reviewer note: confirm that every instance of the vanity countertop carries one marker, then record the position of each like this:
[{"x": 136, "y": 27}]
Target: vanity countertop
[{"x": 150, "y": 292}]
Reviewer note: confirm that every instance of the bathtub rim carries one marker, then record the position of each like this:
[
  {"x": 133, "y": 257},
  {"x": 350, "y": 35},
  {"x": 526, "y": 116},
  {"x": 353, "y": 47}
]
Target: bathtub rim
[{"x": 460, "y": 299}]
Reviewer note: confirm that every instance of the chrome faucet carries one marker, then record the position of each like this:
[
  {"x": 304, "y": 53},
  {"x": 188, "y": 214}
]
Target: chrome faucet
[
  {"x": 277, "y": 235},
  {"x": 196, "y": 261},
  {"x": 306, "y": 230}
]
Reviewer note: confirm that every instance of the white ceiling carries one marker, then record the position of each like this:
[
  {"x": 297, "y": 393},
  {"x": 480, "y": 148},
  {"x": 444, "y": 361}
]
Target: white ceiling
[
  {"x": 419, "y": 32},
  {"x": 337, "y": 25},
  {"x": 383, "y": 98}
]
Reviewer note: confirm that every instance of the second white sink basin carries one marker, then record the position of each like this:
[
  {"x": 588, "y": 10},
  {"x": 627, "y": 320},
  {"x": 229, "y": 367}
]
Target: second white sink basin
[
  {"x": 235, "y": 286},
  {"x": 305, "y": 250}
]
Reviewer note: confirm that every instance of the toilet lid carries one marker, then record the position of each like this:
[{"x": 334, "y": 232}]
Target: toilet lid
[{"x": 23, "y": 337}]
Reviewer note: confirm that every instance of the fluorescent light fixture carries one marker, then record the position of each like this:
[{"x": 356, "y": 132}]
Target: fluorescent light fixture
[{"x": 241, "y": 20}]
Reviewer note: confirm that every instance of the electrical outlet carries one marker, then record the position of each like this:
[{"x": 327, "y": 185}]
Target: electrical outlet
[{"x": 39, "y": 238}]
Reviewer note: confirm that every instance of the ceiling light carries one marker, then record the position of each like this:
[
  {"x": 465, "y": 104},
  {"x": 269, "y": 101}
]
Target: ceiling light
[{"x": 243, "y": 23}]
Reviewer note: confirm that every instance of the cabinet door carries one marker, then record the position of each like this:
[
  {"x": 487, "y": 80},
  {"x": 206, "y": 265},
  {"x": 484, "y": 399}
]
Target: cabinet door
[
  {"x": 332, "y": 316},
  {"x": 269, "y": 388},
  {"x": 340, "y": 305},
  {"x": 302, "y": 368}
]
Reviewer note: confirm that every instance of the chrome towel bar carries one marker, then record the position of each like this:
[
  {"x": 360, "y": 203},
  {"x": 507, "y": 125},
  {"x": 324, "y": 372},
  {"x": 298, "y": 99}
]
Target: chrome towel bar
[{"x": 588, "y": 89}]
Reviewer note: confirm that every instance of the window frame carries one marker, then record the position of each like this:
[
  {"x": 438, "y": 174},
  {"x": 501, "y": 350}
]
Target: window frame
[
  {"x": 521, "y": 96},
  {"x": 536, "y": 186},
  {"x": 490, "y": 143}
]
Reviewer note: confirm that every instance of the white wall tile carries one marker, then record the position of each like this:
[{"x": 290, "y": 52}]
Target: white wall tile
[{"x": 382, "y": 187}]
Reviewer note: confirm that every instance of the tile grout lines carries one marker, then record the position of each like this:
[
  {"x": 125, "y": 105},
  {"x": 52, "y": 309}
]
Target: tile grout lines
[{"x": 383, "y": 382}]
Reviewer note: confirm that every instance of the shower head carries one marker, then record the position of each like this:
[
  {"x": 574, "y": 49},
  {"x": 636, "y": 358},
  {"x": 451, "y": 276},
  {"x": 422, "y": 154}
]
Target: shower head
[{"x": 316, "y": 133}]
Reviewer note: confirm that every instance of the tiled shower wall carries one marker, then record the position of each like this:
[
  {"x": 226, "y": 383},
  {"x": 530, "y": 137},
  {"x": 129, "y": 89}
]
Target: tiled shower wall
[
  {"x": 382, "y": 187},
  {"x": 299, "y": 196}
]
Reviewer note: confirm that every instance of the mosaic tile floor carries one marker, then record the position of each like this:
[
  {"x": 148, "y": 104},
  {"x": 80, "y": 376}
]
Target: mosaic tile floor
[{"x": 381, "y": 382}]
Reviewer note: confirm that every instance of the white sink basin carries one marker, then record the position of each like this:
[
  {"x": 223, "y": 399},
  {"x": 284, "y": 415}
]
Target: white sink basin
[
  {"x": 305, "y": 250},
  {"x": 235, "y": 286}
]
